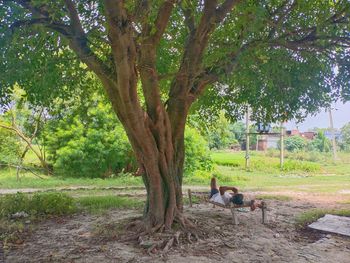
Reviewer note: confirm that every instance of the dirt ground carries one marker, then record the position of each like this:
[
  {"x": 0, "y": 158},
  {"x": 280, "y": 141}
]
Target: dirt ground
[{"x": 94, "y": 238}]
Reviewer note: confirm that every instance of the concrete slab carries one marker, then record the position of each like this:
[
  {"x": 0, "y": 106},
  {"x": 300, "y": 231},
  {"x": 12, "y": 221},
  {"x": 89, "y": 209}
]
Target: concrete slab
[{"x": 333, "y": 224}]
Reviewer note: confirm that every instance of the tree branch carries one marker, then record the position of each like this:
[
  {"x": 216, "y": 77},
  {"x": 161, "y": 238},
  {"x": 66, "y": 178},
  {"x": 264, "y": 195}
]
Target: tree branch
[
  {"x": 189, "y": 18},
  {"x": 74, "y": 33},
  {"x": 225, "y": 7},
  {"x": 162, "y": 19},
  {"x": 74, "y": 18}
]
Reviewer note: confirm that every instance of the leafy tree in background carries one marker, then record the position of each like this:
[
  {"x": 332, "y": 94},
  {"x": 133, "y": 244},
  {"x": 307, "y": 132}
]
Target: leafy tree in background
[
  {"x": 197, "y": 152},
  {"x": 26, "y": 122},
  {"x": 238, "y": 129},
  {"x": 273, "y": 55},
  {"x": 10, "y": 148},
  {"x": 219, "y": 135}
]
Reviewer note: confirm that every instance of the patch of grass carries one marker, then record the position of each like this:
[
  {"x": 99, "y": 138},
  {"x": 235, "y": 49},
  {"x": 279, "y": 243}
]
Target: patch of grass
[
  {"x": 261, "y": 162},
  {"x": 310, "y": 216},
  {"x": 97, "y": 204},
  {"x": 195, "y": 200},
  {"x": 38, "y": 204},
  {"x": 274, "y": 197},
  {"x": 28, "y": 180}
]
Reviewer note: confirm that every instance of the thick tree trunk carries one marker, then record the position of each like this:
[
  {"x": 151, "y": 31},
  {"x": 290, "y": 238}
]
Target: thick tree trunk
[{"x": 162, "y": 164}]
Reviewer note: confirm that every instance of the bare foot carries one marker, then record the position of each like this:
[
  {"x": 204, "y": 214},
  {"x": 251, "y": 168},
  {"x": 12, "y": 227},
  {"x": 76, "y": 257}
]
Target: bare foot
[{"x": 253, "y": 205}]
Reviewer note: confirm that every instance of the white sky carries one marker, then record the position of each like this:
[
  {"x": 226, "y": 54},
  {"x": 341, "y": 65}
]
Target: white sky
[{"x": 341, "y": 115}]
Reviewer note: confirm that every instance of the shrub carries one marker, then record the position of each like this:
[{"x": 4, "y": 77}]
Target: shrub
[
  {"x": 10, "y": 204},
  {"x": 39, "y": 204},
  {"x": 320, "y": 143},
  {"x": 94, "y": 147},
  {"x": 197, "y": 155},
  {"x": 51, "y": 204},
  {"x": 10, "y": 147},
  {"x": 294, "y": 143}
]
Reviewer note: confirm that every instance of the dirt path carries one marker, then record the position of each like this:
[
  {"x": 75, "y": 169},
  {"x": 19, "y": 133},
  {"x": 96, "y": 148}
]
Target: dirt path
[
  {"x": 70, "y": 188},
  {"x": 74, "y": 239}
]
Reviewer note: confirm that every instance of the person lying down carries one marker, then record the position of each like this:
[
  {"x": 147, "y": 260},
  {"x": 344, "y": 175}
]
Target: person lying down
[{"x": 222, "y": 196}]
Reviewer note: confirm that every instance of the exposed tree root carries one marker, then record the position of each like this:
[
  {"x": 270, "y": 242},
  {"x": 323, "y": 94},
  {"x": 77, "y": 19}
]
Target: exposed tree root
[{"x": 158, "y": 239}]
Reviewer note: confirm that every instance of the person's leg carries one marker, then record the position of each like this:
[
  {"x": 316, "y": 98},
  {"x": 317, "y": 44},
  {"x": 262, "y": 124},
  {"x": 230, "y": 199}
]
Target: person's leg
[
  {"x": 213, "y": 183},
  {"x": 213, "y": 188}
]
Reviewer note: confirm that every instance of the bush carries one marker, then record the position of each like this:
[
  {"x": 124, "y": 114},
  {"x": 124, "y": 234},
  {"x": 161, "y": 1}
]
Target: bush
[
  {"x": 220, "y": 136},
  {"x": 294, "y": 143},
  {"x": 40, "y": 204},
  {"x": 93, "y": 147},
  {"x": 10, "y": 147},
  {"x": 320, "y": 143},
  {"x": 197, "y": 155}
]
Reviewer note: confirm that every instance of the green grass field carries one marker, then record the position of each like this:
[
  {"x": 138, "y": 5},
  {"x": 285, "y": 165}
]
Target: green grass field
[{"x": 264, "y": 174}]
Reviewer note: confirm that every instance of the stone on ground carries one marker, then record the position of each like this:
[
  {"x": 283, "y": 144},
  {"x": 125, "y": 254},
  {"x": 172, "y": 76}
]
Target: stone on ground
[{"x": 333, "y": 224}]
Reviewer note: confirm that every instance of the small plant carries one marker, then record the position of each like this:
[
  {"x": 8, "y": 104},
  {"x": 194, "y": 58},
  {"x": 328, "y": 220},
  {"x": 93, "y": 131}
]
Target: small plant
[
  {"x": 195, "y": 199},
  {"x": 11, "y": 204},
  {"x": 43, "y": 204},
  {"x": 11, "y": 232},
  {"x": 52, "y": 204}
]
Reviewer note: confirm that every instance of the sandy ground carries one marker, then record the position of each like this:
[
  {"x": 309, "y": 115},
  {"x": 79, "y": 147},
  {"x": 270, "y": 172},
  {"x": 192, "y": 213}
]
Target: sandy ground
[{"x": 75, "y": 239}]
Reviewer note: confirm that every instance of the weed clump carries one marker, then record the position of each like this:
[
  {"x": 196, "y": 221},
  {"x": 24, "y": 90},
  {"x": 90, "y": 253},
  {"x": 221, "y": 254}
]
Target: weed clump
[{"x": 38, "y": 204}]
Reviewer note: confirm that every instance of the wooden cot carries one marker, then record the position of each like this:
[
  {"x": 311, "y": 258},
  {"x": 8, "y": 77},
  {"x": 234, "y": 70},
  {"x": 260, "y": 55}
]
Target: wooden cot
[{"x": 234, "y": 208}]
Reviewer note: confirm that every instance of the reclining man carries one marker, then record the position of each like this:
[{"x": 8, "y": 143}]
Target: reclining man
[{"x": 221, "y": 196}]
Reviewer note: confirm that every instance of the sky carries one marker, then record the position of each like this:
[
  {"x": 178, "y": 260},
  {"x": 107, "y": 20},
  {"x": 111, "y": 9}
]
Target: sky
[{"x": 341, "y": 115}]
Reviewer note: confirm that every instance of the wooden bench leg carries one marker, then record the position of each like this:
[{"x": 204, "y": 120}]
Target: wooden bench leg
[
  {"x": 190, "y": 197},
  {"x": 263, "y": 212},
  {"x": 234, "y": 216}
]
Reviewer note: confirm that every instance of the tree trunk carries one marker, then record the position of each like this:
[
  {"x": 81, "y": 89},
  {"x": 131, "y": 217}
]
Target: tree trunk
[{"x": 161, "y": 157}]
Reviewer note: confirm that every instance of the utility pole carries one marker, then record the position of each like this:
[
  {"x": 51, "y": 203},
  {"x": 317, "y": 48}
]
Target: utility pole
[
  {"x": 334, "y": 146},
  {"x": 282, "y": 146},
  {"x": 247, "y": 140}
]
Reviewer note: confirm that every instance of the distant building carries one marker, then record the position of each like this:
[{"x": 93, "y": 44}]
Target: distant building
[
  {"x": 308, "y": 135},
  {"x": 337, "y": 134},
  {"x": 292, "y": 132}
]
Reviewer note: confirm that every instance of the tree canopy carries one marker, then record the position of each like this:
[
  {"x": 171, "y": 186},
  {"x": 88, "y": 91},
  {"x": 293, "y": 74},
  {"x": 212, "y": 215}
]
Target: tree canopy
[{"x": 280, "y": 57}]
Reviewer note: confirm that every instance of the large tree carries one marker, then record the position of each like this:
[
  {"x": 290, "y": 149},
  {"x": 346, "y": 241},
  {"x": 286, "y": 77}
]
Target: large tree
[{"x": 155, "y": 58}]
